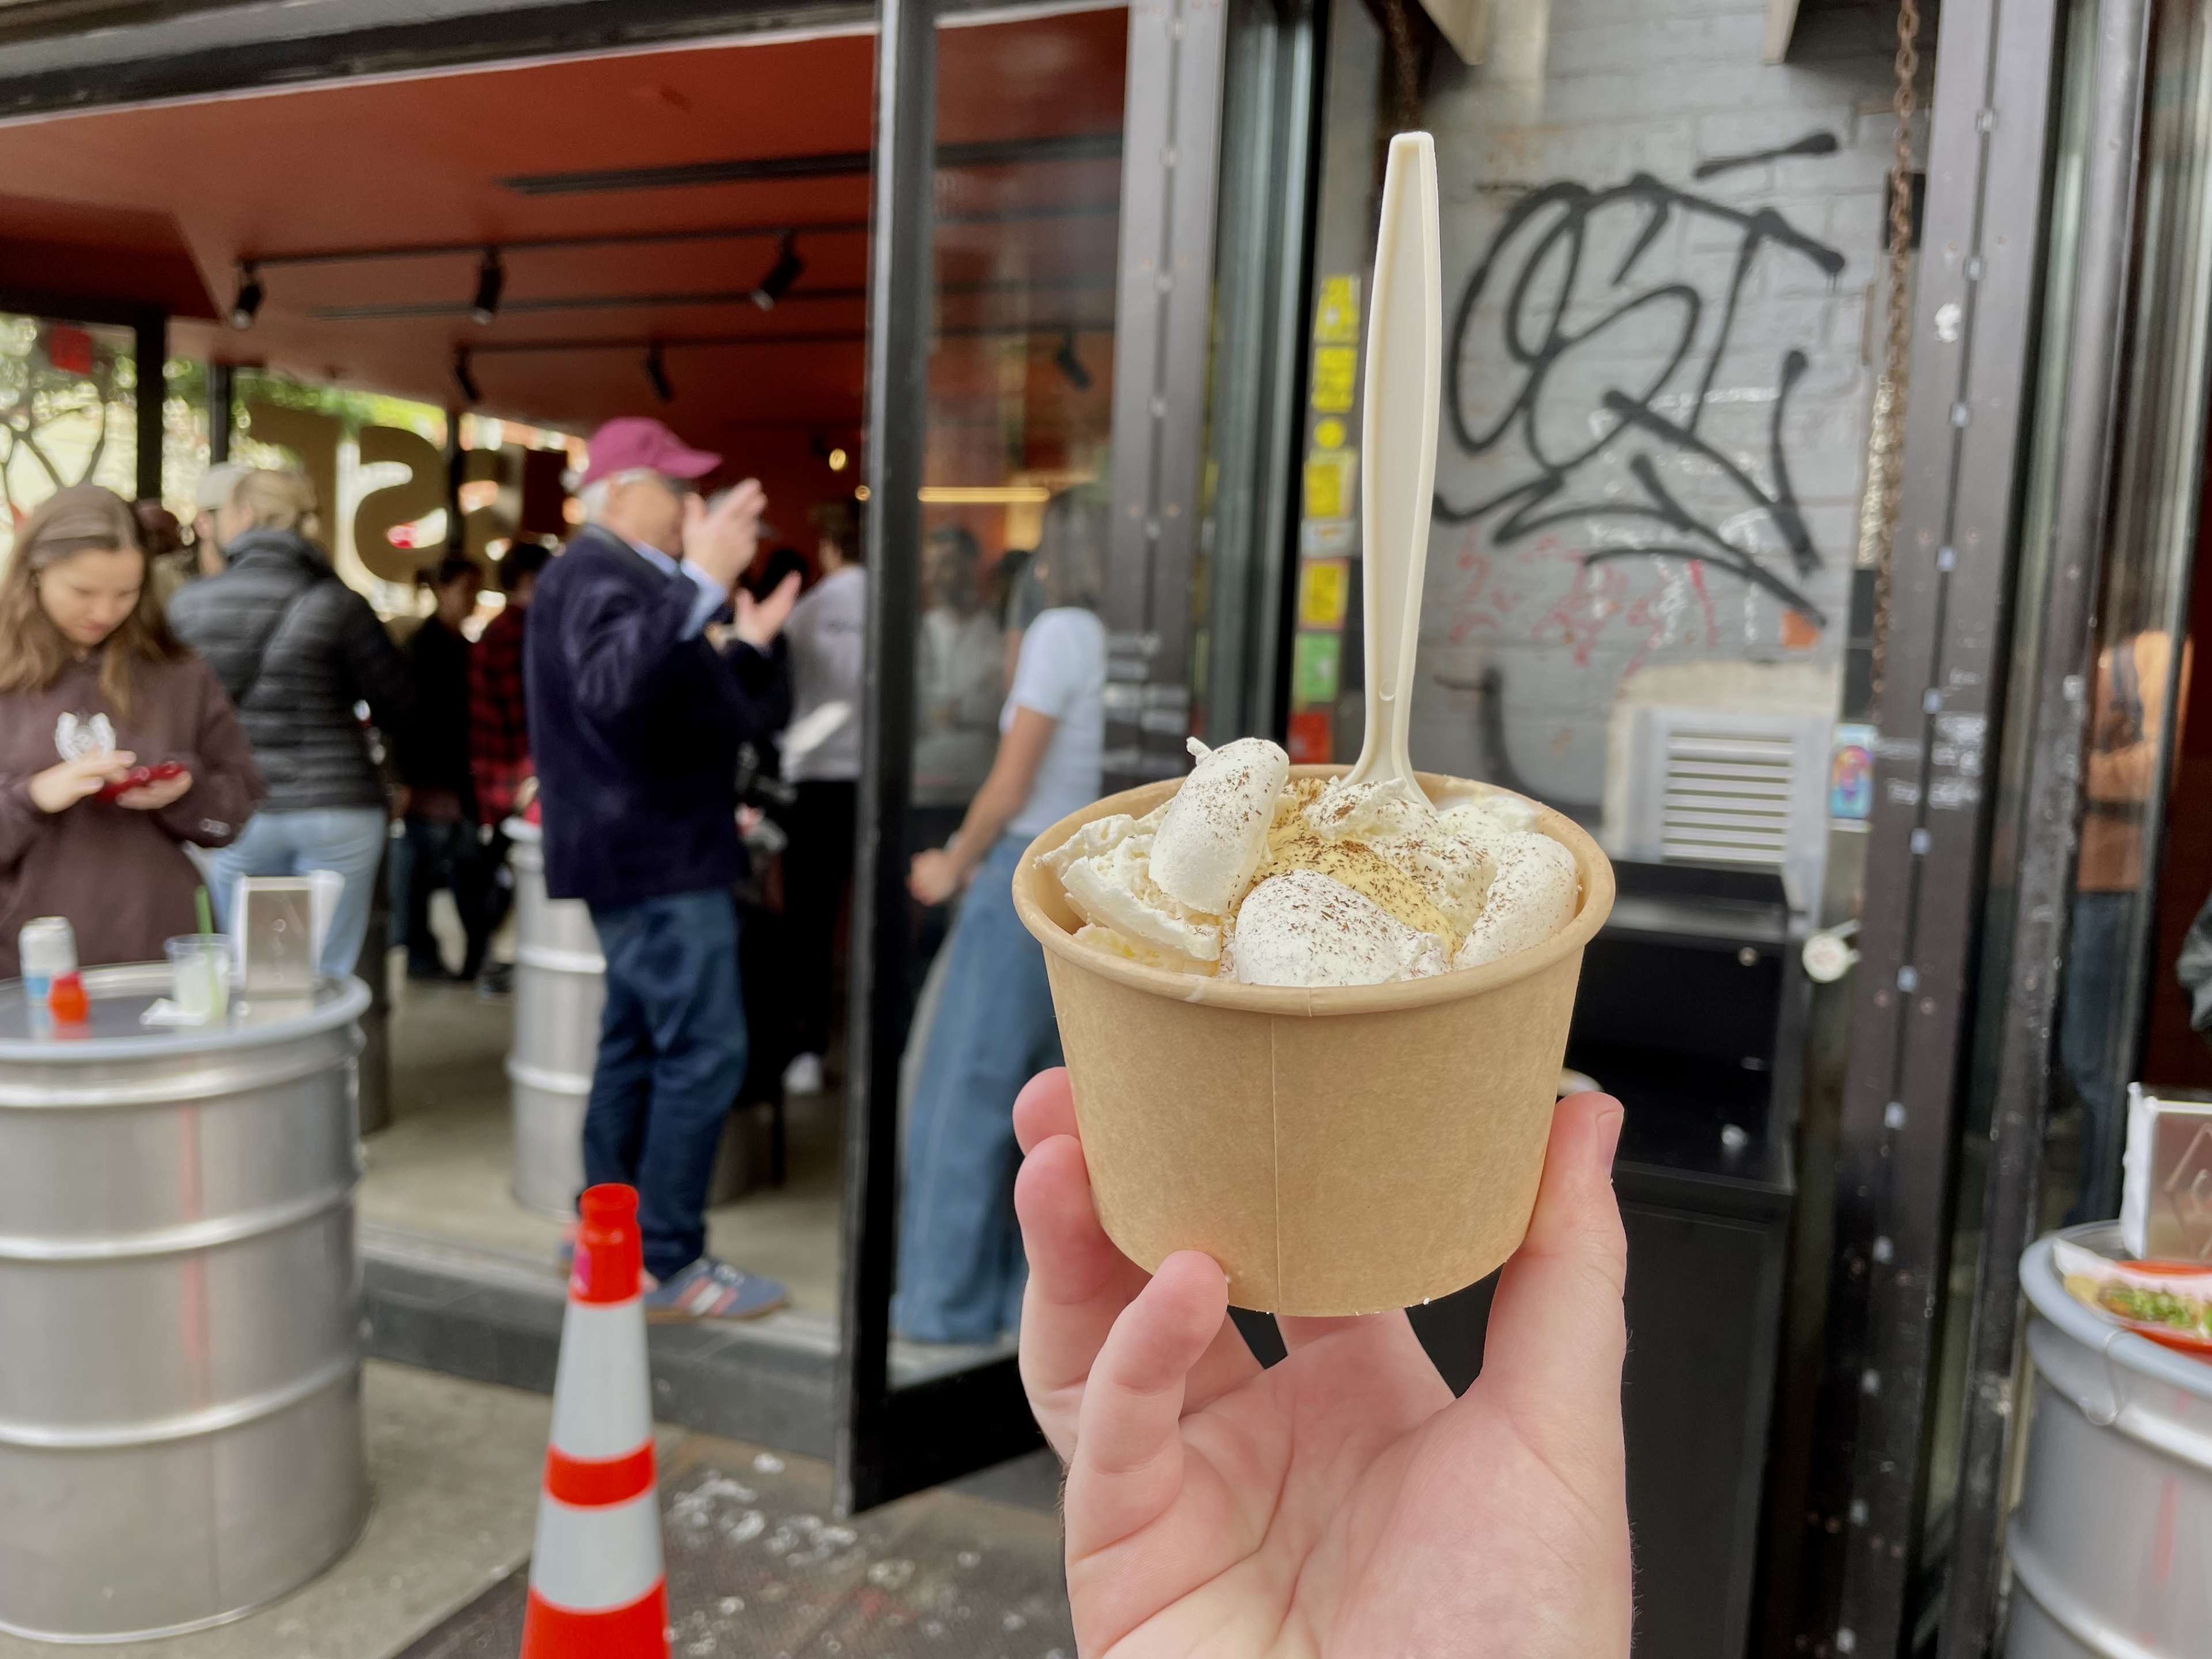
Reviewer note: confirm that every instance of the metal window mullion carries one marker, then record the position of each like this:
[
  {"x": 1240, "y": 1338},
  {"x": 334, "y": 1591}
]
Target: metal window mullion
[
  {"x": 1979, "y": 274},
  {"x": 151, "y": 351},
  {"x": 1179, "y": 413},
  {"x": 2051, "y": 797},
  {"x": 1171, "y": 129},
  {"x": 1139, "y": 327}
]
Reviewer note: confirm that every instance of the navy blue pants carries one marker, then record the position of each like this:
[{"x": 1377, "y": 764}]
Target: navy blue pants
[{"x": 671, "y": 1060}]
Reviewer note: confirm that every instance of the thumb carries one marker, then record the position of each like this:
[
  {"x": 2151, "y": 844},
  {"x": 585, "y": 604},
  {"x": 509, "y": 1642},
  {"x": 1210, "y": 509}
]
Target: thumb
[
  {"x": 1558, "y": 1334},
  {"x": 694, "y": 513}
]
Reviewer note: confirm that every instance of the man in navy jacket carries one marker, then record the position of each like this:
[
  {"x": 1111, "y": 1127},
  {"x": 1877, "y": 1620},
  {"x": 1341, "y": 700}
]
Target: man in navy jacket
[{"x": 635, "y": 721}]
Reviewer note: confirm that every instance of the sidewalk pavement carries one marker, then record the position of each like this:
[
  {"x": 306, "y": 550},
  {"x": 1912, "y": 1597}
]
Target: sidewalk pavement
[
  {"x": 454, "y": 1467},
  {"x": 757, "y": 1570},
  {"x": 756, "y": 1567}
]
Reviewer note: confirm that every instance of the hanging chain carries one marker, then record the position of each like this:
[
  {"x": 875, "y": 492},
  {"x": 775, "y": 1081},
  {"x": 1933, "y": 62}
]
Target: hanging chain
[{"x": 1890, "y": 411}]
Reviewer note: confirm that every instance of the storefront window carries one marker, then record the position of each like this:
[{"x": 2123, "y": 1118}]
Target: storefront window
[
  {"x": 1660, "y": 383},
  {"x": 68, "y": 403},
  {"x": 1019, "y": 413},
  {"x": 1648, "y": 603}
]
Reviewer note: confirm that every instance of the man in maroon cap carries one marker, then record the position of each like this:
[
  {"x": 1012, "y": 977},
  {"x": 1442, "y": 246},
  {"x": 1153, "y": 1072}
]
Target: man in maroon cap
[{"x": 636, "y": 721}]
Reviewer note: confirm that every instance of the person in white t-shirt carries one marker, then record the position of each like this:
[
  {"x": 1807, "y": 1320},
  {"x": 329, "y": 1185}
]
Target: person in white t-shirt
[
  {"x": 960, "y": 1267},
  {"x": 828, "y": 634},
  {"x": 961, "y": 682}
]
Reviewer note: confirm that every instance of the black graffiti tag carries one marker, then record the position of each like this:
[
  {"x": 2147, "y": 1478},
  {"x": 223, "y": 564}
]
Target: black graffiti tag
[{"x": 1537, "y": 254}]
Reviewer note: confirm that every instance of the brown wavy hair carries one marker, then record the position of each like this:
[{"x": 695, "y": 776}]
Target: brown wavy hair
[{"x": 82, "y": 519}]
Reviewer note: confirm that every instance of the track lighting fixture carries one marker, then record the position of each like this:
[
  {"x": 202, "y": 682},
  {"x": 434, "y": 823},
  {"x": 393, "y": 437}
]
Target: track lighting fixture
[
  {"x": 250, "y": 295},
  {"x": 463, "y": 378},
  {"x": 656, "y": 370},
  {"x": 1069, "y": 364},
  {"x": 779, "y": 276},
  {"x": 491, "y": 282}
]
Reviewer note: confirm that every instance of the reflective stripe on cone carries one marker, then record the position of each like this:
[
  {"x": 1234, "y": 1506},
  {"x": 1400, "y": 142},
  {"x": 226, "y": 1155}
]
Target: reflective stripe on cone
[{"x": 592, "y": 1560}]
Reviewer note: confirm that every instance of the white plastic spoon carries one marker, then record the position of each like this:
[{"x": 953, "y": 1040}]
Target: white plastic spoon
[{"x": 1398, "y": 451}]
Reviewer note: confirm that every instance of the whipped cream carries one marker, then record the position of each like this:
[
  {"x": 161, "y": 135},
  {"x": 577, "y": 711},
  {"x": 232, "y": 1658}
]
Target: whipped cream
[
  {"x": 1531, "y": 897},
  {"x": 1305, "y": 929},
  {"x": 1215, "y": 831},
  {"x": 1114, "y": 888}
]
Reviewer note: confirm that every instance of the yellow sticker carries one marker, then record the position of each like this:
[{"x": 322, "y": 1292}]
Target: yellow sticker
[
  {"x": 1335, "y": 377},
  {"x": 1324, "y": 587},
  {"x": 1328, "y": 433},
  {"x": 1328, "y": 483},
  {"x": 1336, "y": 311}
]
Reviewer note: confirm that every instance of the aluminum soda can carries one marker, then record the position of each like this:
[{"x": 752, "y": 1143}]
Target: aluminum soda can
[{"x": 47, "y": 948}]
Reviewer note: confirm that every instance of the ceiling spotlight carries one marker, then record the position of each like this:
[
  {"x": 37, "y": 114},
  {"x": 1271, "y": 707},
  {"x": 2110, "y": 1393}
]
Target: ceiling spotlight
[
  {"x": 1069, "y": 364},
  {"x": 780, "y": 275},
  {"x": 837, "y": 459},
  {"x": 491, "y": 282},
  {"x": 464, "y": 379},
  {"x": 248, "y": 303},
  {"x": 656, "y": 370}
]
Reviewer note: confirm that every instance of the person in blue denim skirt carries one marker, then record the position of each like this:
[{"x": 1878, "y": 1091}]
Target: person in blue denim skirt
[
  {"x": 636, "y": 721},
  {"x": 960, "y": 1266}
]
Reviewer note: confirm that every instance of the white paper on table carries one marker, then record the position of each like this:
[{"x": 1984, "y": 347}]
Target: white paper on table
[{"x": 163, "y": 1011}]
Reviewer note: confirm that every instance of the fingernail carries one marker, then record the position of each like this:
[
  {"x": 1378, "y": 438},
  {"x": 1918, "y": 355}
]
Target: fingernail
[{"x": 1604, "y": 1137}]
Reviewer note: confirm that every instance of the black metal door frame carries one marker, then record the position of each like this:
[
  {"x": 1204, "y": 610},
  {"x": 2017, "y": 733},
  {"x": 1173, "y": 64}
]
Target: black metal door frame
[{"x": 894, "y": 1440}]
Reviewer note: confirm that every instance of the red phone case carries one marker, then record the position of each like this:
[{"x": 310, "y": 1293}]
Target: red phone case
[{"x": 138, "y": 777}]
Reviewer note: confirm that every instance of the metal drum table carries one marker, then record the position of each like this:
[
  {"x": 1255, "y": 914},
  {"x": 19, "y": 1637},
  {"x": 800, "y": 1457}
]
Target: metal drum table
[
  {"x": 180, "y": 1430},
  {"x": 2110, "y": 1544},
  {"x": 560, "y": 986}
]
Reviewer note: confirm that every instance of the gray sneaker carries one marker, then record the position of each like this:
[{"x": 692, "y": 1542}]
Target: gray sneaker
[{"x": 713, "y": 1289}]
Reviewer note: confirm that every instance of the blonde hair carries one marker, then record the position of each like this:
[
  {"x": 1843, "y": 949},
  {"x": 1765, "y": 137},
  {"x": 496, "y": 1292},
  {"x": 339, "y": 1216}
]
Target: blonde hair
[
  {"x": 269, "y": 499},
  {"x": 1071, "y": 551}
]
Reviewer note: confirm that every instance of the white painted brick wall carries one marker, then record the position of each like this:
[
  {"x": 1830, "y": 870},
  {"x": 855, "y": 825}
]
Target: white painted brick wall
[{"x": 1593, "y": 93}]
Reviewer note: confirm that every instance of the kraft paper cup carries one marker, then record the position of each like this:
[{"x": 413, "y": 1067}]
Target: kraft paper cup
[{"x": 1338, "y": 1150}]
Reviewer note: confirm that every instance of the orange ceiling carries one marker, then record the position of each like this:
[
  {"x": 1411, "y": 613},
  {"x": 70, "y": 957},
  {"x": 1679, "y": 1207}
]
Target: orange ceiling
[{"x": 128, "y": 205}]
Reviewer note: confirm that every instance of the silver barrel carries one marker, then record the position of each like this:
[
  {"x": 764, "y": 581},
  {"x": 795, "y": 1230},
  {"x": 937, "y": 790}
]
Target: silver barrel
[
  {"x": 2107, "y": 1545},
  {"x": 181, "y": 1432},
  {"x": 560, "y": 986}
]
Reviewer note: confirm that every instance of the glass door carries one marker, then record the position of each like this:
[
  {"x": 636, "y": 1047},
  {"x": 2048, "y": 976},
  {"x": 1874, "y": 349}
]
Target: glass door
[{"x": 1041, "y": 523}]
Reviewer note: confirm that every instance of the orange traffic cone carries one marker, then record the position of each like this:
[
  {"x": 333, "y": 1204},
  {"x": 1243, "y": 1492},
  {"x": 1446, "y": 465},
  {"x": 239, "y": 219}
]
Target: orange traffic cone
[{"x": 597, "y": 1587}]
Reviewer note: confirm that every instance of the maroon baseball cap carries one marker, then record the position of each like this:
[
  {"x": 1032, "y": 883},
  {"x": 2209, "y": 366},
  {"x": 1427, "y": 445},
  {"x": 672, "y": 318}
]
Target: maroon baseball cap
[{"x": 637, "y": 443}]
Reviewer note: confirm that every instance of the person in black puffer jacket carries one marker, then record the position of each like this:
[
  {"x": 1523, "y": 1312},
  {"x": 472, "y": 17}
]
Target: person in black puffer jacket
[{"x": 297, "y": 651}]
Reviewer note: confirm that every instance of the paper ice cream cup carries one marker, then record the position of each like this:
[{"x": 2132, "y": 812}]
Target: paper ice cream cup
[{"x": 1337, "y": 1150}]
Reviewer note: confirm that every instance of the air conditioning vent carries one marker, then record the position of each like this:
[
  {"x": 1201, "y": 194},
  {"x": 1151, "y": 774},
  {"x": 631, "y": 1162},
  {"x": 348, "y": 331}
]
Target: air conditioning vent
[
  {"x": 1727, "y": 799},
  {"x": 1736, "y": 786}
]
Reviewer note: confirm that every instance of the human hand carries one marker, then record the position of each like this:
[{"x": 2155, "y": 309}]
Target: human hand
[
  {"x": 759, "y": 620},
  {"x": 1341, "y": 1502},
  {"x": 153, "y": 796},
  {"x": 933, "y": 877},
  {"x": 60, "y": 787},
  {"x": 722, "y": 540}
]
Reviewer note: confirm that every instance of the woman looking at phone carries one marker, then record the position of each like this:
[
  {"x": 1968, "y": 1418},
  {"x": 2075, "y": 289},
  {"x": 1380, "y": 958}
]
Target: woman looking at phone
[{"x": 117, "y": 746}]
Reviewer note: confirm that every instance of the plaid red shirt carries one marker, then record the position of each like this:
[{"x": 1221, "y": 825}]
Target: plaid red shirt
[{"x": 499, "y": 722}]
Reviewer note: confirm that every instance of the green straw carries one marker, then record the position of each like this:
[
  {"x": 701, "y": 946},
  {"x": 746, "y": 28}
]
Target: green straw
[{"x": 207, "y": 912}]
